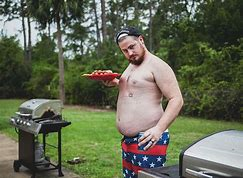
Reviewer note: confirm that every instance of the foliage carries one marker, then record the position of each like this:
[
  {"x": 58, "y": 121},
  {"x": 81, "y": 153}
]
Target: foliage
[
  {"x": 44, "y": 73},
  {"x": 81, "y": 90},
  {"x": 14, "y": 73},
  {"x": 210, "y": 88},
  {"x": 44, "y": 50},
  {"x": 220, "y": 22},
  {"x": 40, "y": 84},
  {"x": 200, "y": 40}
]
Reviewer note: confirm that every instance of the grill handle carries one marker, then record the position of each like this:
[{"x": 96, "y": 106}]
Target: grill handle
[
  {"x": 198, "y": 174},
  {"x": 22, "y": 114}
]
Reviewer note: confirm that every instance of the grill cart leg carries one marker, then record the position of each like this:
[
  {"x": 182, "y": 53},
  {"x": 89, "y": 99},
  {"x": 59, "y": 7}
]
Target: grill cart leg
[
  {"x": 47, "y": 158},
  {"x": 60, "y": 174},
  {"x": 16, "y": 165},
  {"x": 33, "y": 175}
]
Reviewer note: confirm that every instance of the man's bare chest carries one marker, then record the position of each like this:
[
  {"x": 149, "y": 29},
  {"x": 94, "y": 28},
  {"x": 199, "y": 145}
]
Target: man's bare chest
[{"x": 137, "y": 79}]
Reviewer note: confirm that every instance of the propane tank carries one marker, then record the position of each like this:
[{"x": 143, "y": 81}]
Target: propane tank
[{"x": 39, "y": 152}]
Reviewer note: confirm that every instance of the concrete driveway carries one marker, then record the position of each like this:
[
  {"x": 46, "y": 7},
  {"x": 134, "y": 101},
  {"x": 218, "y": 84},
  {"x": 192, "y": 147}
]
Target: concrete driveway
[{"x": 9, "y": 153}]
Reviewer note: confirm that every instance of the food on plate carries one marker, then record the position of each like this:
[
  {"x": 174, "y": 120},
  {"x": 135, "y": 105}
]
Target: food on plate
[
  {"x": 102, "y": 75},
  {"x": 101, "y": 72}
]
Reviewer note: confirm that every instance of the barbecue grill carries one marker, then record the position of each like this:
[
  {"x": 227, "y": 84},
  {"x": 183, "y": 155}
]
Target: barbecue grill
[
  {"x": 33, "y": 118},
  {"x": 219, "y": 155}
]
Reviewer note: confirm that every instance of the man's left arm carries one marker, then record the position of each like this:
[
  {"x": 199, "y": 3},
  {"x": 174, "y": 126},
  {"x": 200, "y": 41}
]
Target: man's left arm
[
  {"x": 169, "y": 87},
  {"x": 166, "y": 81}
]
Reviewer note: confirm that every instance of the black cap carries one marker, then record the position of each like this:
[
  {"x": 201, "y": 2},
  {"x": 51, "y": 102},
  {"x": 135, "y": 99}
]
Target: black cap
[{"x": 130, "y": 31}]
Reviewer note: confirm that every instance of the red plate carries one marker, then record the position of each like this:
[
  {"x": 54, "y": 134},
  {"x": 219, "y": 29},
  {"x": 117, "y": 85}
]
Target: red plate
[{"x": 105, "y": 76}]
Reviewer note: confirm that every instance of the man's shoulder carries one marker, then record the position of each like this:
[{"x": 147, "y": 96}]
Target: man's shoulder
[{"x": 156, "y": 61}]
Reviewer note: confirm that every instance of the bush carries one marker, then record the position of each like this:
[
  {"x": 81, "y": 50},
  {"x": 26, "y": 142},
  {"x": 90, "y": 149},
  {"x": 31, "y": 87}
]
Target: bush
[
  {"x": 212, "y": 89},
  {"x": 40, "y": 84},
  {"x": 14, "y": 71}
]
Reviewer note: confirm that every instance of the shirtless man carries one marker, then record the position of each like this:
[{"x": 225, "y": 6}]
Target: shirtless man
[{"x": 140, "y": 116}]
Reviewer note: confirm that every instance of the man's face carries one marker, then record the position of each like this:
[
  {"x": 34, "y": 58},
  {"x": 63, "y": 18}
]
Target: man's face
[{"x": 133, "y": 49}]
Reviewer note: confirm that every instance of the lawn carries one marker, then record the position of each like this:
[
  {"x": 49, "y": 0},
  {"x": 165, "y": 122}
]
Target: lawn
[{"x": 93, "y": 137}]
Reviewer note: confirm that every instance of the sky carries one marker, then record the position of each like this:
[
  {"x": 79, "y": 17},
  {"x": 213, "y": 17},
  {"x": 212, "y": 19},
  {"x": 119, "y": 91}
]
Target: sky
[
  {"x": 14, "y": 27},
  {"x": 11, "y": 28}
]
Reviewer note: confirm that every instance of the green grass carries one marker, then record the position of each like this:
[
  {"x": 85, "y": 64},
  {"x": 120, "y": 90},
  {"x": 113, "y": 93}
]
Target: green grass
[{"x": 93, "y": 137}]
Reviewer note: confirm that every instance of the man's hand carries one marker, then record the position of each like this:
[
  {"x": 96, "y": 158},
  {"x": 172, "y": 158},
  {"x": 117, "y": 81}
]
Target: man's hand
[
  {"x": 111, "y": 83},
  {"x": 151, "y": 137}
]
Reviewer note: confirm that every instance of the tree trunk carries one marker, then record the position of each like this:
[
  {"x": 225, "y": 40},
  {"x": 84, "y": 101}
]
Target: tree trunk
[
  {"x": 150, "y": 26},
  {"x": 24, "y": 30},
  {"x": 60, "y": 61},
  {"x": 82, "y": 47},
  {"x": 136, "y": 13},
  {"x": 29, "y": 40},
  {"x": 49, "y": 30},
  {"x": 103, "y": 20},
  {"x": 96, "y": 23}
]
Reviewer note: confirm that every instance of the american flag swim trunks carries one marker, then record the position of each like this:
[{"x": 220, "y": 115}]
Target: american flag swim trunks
[{"x": 135, "y": 159}]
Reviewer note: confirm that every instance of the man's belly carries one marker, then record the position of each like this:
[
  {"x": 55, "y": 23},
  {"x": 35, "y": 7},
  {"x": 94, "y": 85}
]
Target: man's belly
[{"x": 136, "y": 115}]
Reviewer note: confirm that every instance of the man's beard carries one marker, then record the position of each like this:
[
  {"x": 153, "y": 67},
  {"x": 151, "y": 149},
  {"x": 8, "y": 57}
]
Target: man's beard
[{"x": 139, "y": 60}]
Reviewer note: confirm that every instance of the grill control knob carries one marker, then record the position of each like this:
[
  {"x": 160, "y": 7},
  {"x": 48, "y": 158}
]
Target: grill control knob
[
  {"x": 13, "y": 121},
  {"x": 28, "y": 124}
]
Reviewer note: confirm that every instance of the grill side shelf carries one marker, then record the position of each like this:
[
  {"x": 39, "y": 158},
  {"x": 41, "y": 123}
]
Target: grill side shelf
[{"x": 54, "y": 126}]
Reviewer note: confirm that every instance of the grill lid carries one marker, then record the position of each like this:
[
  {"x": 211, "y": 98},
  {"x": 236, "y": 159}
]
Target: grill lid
[
  {"x": 36, "y": 108},
  {"x": 217, "y": 155}
]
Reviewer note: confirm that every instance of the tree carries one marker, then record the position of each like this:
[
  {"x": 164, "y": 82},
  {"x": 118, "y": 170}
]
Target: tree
[
  {"x": 61, "y": 13},
  {"x": 220, "y": 22},
  {"x": 14, "y": 10},
  {"x": 76, "y": 38}
]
